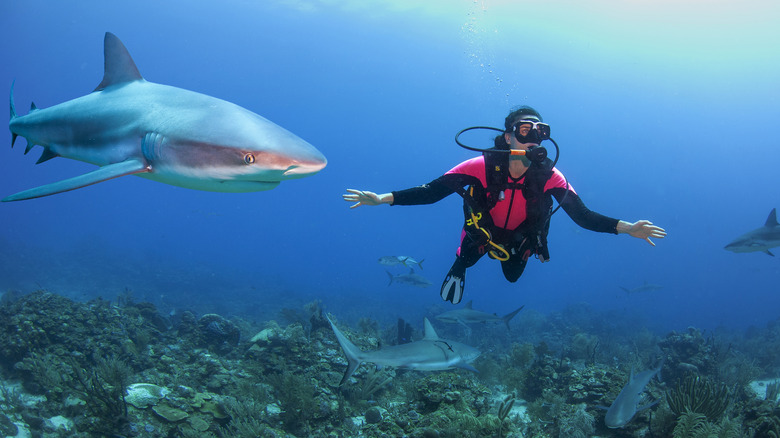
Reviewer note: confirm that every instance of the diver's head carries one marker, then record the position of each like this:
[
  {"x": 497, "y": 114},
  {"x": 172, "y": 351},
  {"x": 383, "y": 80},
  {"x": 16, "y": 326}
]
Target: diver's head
[
  {"x": 525, "y": 125},
  {"x": 521, "y": 113},
  {"x": 500, "y": 143}
]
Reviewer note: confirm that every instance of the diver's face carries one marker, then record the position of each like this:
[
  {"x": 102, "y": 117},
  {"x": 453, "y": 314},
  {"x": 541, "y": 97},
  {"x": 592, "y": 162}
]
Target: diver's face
[
  {"x": 521, "y": 129},
  {"x": 526, "y": 132}
]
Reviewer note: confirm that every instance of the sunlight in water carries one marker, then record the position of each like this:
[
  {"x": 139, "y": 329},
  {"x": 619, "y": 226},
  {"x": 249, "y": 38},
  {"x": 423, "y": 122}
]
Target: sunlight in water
[{"x": 689, "y": 34}]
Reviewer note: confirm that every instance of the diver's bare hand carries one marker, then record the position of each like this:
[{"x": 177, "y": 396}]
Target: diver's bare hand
[
  {"x": 364, "y": 197},
  {"x": 642, "y": 230}
]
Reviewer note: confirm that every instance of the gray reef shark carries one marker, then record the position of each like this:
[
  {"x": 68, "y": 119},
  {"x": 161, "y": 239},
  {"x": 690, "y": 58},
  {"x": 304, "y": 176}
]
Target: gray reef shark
[
  {"x": 410, "y": 278},
  {"x": 647, "y": 287},
  {"x": 467, "y": 315},
  {"x": 429, "y": 354},
  {"x": 626, "y": 405},
  {"x": 400, "y": 260},
  {"x": 760, "y": 239},
  {"x": 129, "y": 126}
]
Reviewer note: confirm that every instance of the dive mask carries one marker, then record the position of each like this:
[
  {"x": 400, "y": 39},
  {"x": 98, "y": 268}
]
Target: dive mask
[{"x": 531, "y": 131}]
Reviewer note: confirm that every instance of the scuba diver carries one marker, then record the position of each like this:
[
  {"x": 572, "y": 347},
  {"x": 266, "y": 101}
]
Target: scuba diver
[{"x": 507, "y": 194}]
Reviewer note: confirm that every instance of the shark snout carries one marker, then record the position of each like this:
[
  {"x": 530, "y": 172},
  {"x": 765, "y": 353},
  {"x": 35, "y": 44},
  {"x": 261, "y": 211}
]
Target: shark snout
[{"x": 301, "y": 170}]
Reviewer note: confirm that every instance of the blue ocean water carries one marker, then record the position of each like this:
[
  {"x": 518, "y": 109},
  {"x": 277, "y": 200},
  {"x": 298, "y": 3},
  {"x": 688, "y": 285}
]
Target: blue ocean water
[{"x": 663, "y": 111}]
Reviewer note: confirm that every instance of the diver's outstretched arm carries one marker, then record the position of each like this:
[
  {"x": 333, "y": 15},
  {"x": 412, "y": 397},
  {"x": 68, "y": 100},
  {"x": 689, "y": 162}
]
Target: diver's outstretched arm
[
  {"x": 364, "y": 197},
  {"x": 641, "y": 230}
]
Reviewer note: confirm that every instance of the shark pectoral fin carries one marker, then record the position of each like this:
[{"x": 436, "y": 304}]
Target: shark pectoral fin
[
  {"x": 768, "y": 252},
  {"x": 467, "y": 366},
  {"x": 128, "y": 167},
  {"x": 649, "y": 405}
]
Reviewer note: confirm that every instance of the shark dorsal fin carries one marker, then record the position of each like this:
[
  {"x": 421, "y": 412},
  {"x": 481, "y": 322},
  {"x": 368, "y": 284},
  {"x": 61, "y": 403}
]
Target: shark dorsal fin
[
  {"x": 119, "y": 65},
  {"x": 468, "y": 305},
  {"x": 771, "y": 221},
  {"x": 430, "y": 333}
]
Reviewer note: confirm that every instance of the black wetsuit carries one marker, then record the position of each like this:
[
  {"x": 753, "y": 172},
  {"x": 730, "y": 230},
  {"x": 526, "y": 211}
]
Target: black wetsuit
[{"x": 510, "y": 217}]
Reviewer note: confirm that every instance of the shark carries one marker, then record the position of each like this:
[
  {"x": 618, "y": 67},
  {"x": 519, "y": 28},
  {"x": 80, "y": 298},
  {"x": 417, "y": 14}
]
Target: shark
[
  {"x": 647, "y": 287},
  {"x": 431, "y": 353},
  {"x": 626, "y": 405},
  {"x": 129, "y": 126},
  {"x": 400, "y": 260},
  {"x": 467, "y": 315},
  {"x": 410, "y": 278},
  {"x": 760, "y": 239}
]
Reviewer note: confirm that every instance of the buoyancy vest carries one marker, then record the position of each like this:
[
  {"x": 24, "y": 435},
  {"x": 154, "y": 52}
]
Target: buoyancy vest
[{"x": 530, "y": 237}]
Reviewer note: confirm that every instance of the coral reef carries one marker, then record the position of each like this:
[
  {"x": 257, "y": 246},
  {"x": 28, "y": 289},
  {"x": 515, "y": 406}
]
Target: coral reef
[
  {"x": 688, "y": 352},
  {"x": 698, "y": 395},
  {"x": 122, "y": 369}
]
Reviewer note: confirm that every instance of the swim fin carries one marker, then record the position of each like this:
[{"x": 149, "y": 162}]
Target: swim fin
[{"x": 454, "y": 283}]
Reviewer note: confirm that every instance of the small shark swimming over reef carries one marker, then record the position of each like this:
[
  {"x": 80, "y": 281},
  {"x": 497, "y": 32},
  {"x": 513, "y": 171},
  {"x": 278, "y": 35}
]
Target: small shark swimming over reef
[
  {"x": 429, "y": 354},
  {"x": 467, "y": 315},
  {"x": 411, "y": 279},
  {"x": 129, "y": 126},
  {"x": 760, "y": 239},
  {"x": 400, "y": 260},
  {"x": 626, "y": 405}
]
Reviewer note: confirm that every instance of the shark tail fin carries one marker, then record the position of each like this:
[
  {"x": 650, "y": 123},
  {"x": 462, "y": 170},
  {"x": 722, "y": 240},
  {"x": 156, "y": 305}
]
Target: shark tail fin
[
  {"x": 508, "y": 317},
  {"x": 13, "y": 113},
  {"x": 391, "y": 277},
  {"x": 354, "y": 355},
  {"x": 13, "y": 107},
  {"x": 419, "y": 264}
]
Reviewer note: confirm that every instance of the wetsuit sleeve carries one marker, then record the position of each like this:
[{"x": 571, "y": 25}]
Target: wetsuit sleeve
[
  {"x": 573, "y": 206},
  {"x": 434, "y": 191},
  {"x": 582, "y": 215}
]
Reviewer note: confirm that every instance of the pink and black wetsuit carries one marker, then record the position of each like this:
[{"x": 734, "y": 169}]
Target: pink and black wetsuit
[{"x": 511, "y": 216}]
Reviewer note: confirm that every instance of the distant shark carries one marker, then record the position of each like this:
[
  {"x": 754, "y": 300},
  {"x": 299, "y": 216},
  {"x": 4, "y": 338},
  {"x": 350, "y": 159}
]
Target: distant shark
[
  {"x": 467, "y": 315},
  {"x": 410, "y": 278},
  {"x": 626, "y": 405},
  {"x": 429, "y": 354},
  {"x": 647, "y": 287},
  {"x": 129, "y": 126},
  {"x": 760, "y": 239},
  {"x": 400, "y": 260}
]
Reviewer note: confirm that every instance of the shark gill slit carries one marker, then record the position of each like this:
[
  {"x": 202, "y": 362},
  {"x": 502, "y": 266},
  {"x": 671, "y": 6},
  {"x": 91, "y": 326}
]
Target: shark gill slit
[{"x": 151, "y": 146}]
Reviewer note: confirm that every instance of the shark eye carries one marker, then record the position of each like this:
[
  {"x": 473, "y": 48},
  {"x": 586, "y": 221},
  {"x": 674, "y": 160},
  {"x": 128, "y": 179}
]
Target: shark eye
[{"x": 249, "y": 158}]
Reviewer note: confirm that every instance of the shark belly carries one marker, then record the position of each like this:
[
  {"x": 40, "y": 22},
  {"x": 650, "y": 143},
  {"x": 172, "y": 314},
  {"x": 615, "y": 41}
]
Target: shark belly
[{"x": 420, "y": 355}]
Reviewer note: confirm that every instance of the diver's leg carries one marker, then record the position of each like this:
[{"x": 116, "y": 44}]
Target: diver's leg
[
  {"x": 454, "y": 283},
  {"x": 513, "y": 267}
]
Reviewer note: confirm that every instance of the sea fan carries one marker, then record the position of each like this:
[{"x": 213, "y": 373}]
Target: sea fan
[{"x": 690, "y": 425}]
